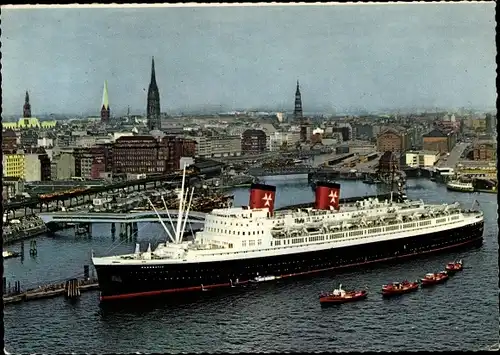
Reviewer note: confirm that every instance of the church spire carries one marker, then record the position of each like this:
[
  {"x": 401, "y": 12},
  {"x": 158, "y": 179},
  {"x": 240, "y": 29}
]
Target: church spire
[
  {"x": 297, "y": 111},
  {"x": 153, "y": 103},
  {"x": 27, "y": 106},
  {"x": 153, "y": 74},
  {"x": 105, "y": 99},
  {"x": 105, "y": 111}
]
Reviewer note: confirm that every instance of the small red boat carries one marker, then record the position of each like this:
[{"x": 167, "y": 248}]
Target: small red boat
[
  {"x": 341, "y": 296},
  {"x": 455, "y": 266},
  {"x": 398, "y": 288},
  {"x": 434, "y": 278}
]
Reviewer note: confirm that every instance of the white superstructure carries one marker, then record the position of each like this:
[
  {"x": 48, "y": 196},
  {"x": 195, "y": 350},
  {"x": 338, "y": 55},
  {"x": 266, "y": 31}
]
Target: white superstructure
[{"x": 243, "y": 233}]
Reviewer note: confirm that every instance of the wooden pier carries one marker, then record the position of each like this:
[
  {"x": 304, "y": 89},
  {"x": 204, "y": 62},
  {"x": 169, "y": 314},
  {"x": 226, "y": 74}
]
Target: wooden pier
[{"x": 70, "y": 289}]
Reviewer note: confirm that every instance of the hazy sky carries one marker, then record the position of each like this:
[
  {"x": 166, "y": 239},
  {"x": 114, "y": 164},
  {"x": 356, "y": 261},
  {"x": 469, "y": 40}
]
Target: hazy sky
[{"x": 367, "y": 57}]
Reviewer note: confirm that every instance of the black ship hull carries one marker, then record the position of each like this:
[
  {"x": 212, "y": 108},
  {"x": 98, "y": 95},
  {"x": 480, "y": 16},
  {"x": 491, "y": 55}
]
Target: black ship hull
[{"x": 119, "y": 282}]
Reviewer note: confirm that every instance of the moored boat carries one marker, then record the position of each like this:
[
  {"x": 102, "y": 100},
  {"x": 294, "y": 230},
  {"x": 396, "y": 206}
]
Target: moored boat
[
  {"x": 341, "y": 296},
  {"x": 454, "y": 266},
  {"x": 398, "y": 288},
  {"x": 456, "y": 185},
  {"x": 9, "y": 254},
  {"x": 434, "y": 278}
]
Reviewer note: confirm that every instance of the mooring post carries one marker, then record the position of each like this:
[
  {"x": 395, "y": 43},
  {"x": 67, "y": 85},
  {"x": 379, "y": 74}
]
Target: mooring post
[
  {"x": 4, "y": 285},
  {"x": 86, "y": 272},
  {"x": 113, "y": 229}
]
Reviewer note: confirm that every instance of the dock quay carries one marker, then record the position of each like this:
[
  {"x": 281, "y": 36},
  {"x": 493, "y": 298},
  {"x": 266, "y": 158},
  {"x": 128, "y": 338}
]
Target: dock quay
[{"x": 70, "y": 289}]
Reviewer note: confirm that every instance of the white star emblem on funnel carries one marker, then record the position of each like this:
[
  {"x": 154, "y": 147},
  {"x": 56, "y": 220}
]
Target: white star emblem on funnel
[
  {"x": 333, "y": 196},
  {"x": 268, "y": 198}
]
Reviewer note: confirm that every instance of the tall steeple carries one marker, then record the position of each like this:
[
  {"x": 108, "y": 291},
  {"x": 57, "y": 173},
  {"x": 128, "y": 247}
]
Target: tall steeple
[
  {"x": 153, "y": 104},
  {"x": 27, "y": 106},
  {"x": 297, "y": 111},
  {"x": 105, "y": 112}
]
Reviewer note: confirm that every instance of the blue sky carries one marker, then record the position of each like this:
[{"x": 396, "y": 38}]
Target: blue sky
[{"x": 368, "y": 57}]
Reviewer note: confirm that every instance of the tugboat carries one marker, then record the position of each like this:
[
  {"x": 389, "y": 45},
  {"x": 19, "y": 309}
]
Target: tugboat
[
  {"x": 398, "y": 288},
  {"x": 341, "y": 296},
  {"x": 453, "y": 267},
  {"x": 434, "y": 278}
]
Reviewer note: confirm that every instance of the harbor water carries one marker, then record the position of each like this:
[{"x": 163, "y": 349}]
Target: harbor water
[{"x": 461, "y": 314}]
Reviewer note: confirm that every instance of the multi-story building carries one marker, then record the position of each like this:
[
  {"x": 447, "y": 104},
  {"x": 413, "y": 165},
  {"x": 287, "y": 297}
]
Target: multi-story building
[
  {"x": 392, "y": 140},
  {"x": 439, "y": 140},
  {"x": 10, "y": 140},
  {"x": 29, "y": 138},
  {"x": 421, "y": 158},
  {"x": 223, "y": 146},
  {"x": 282, "y": 141},
  {"x": 13, "y": 164},
  {"x": 32, "y": 167},
  {"x": 344, "y": 128},
  {"x": 148, "y": 154},
  {"x": 253, "y": 141},
  {"x": 83, "y": 162},
  {"x": 484, "y": 150},
  {"x": 63, "y": 166},
  {"x": 98, "y": 167},
  {"x": 45, "y": 142},
  {"x": 217, "y": 146}
]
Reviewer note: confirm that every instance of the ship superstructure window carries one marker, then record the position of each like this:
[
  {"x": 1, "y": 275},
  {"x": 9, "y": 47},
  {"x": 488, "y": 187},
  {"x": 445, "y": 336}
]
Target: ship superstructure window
[
  {"x": 441, "y": 220},
  {"x": 259, "y": 242},
  {"x": 278, "y": 242},
  {"x": 244, "y": 243},
  {"x": 425, "y": 223},
  {"x": 251, "y": 243}
]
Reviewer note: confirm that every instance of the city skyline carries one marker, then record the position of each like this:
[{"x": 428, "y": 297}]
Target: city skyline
[{"x": 363, "y": 57}]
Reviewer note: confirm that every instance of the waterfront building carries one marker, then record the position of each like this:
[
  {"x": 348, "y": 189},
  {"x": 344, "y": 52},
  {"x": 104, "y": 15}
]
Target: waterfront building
[
  {"x": 439, "y": 140},
  {"x": 484, "y": 150},
  {"x": 392, "y": 140},
  {"x": 153, "y": 104},
  {"x": 421, "y": 158}
]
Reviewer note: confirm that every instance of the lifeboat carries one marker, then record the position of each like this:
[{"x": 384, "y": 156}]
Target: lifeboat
[
  {"x": 341, "y": 296},
  {"x": 453, "y": 267},
  {"x": 434, "y": 278},
  {"x": 398, "y": 288}
]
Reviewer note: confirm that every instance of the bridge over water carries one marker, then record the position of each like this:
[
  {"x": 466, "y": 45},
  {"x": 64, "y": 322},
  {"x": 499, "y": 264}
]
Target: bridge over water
[{"x": 132, "y": 217}]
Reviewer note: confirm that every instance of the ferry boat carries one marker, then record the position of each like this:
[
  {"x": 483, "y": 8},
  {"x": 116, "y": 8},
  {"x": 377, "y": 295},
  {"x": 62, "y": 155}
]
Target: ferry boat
[
  {"x": 242, "y": 243},
  {"x": 457, "y": 185}
]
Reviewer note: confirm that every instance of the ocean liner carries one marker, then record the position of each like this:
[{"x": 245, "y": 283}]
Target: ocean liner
[{"x": 255, "y": 243}]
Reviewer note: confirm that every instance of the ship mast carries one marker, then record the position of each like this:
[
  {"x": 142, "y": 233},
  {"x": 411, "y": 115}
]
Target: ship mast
[
  {"x": 187, "y": 213},
  {"x": 161, "y": 221},
  {"x": 181, "y": 202}
]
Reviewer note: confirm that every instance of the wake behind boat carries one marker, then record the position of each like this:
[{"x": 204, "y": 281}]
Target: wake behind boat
[{"x": 246, "y": 242}]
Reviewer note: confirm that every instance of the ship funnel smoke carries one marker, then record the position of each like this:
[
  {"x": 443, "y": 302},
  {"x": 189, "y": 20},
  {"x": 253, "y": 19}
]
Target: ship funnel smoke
[
  {"x": 327, "y": 196},
  {"x": 262, "y": 196}
]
